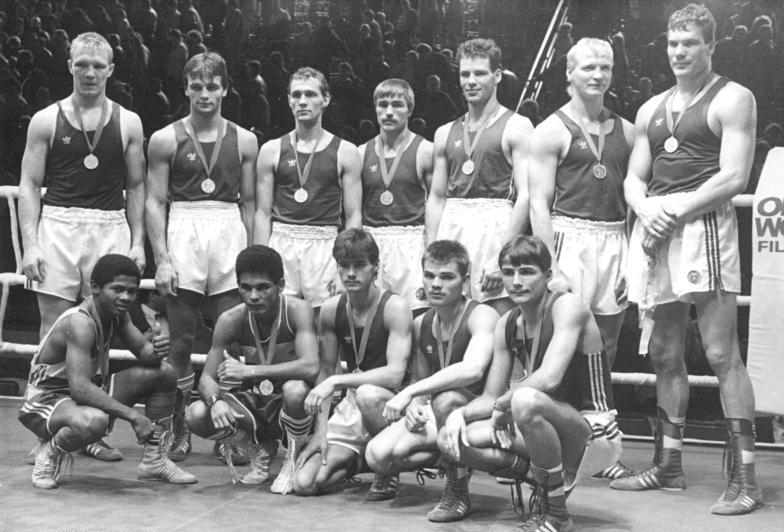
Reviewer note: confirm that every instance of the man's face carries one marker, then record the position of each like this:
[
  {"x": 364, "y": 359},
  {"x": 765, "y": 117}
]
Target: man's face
[
  {"x": 357, "y": 273},
  {"x": 525, "y": 283},
  {"x": 477, "y": 80},
  {"x": 306, "y": 100},
  {"x": 392, "y": 113},
  {"x": 259, "y": 292},
  {"x": 592, "y": 73},
  {"x": 443, "y": 283},
  {"x": 688, "y": 52},
  {"x": 90, "y": 68},
  {"x": 205, "y": 93},
  {"x": 117, "y": 295}
]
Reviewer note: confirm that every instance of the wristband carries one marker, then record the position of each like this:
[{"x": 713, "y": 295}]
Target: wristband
[{"x": 211, "y": 400}]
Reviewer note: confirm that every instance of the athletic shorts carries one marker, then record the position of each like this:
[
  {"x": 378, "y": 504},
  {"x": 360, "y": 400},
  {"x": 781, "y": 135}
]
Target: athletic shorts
[
  {"x": 604, "y": 448},
  {"x": 308, "y": 266},
  {"x": 204, "y": 239},
  {"x": 72, "y": 240},
  {"x": 592, "y": 257},
  {"x": 481, "y": 225},
  {"x": 400, "y": 261},
  {"x": 262, "y": 410},
  {"x": 700, "y": 256},
  {"x": 345, "y": 427}
]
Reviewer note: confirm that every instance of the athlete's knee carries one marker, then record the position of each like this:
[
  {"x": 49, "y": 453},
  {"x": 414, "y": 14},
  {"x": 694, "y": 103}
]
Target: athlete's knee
[
  {"x": 527, "y": 405},
  {"x": 722, "y": 359},
  {"x": 166, "y": 377},
  {"x": 294, "y": 393},
  {"x": 197, "y": 417},
  {"x": 370, "y": 396},
  {"x": 445, "y": 403},
  {"x": 89, "y": 424},
  {"x": 378, "y": 455}
]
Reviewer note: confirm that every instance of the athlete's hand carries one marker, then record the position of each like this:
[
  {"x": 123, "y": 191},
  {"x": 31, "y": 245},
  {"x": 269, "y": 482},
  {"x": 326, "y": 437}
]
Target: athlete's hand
[
  {"x": 452, "y": 435},
  {"x": 492, "y": 281},
  {"x": 416, "y": 417},
  {"x": 651, "y": 244},
  {"x": 160, "y": 346},
  {"x": 166, "y": 279},
  {"x": 503, "y": 428},
  {"x": 231, "y": 368},
  {"x": 317, "y": 444},
  {"x": 33, "y": 264},
  {"x": 396, "y": 407},
  {"x": 223, "y": 415},
  {"x": 319, "y": 397},
  {"x": 143, "y": 428},
  {"x": 655, "y": 218},
  {"x": 136, "y": 254}
]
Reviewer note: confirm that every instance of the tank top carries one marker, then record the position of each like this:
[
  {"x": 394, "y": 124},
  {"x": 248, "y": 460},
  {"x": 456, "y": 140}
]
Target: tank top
[
  {"x": 586, "y": 384},
  {"x": 492, "y": 175},
  {"x": 578, "y": 194},
  {"x": 410, "y": 194},
  {"x": 376, "y": 349},
  {"x": 697, "y": 158},
  {"x": 325, "y": 192},
  {"x": 69, "y": 183},
  {"x": 428, "y": 343},
  {"x": 187, "y": 172}
]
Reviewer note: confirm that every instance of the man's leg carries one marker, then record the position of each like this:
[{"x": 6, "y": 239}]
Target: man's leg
[
  {"x": 482, "y": 454},
  {"x": 50, "y": 308},
  {"x": 371, "y": 400},
  {"x": 672, "y": 393},
  {"x": 317, "y": 478},
  {"x": 297, "y": 423},
  {"x": 717, "y": 318}
]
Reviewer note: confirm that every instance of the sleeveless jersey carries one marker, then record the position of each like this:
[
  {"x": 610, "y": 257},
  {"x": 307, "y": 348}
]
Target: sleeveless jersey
[
  {"x": 410, "y": 194},
  {"x": 578, "y": 194},
  {"x": 55, "y": 376},
  {"x": 187, "y": 172},
  {"x": 69, "y": 183},
  {"x": 586, "y": 384},
  {"x": 376, "y": 349},
  {"x": 325, "y": 192},
  {"x": 492, "y": 176},
  {"x": 428, "y": 343},
  {"x": 697, "y": 158}
]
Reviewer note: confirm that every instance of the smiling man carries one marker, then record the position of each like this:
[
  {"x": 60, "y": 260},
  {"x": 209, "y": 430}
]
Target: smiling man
[
  {"x": 308, "y": 186},
  {"x": 71, "y": 400},
  {"x": 479, "y": 170},
  {"x": 693, "y": 150},
  {"x": 204, "y": 166}
]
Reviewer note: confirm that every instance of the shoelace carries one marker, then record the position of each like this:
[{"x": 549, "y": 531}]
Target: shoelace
[{"x": 423, "y": 473}]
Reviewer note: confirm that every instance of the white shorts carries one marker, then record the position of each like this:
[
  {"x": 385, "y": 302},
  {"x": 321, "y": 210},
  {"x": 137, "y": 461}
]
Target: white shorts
[
  {"x": 308, "y": 266},
  {"x": 603, "y": 449},
  {"x": 345, "y": 427},
  {"x": 204, "y": 239},
  {"x": 400, "y": 261},
  {"x": 480, "y": 224},
  {"x": 592, "y": 257},
  {"x": 701, "y": 256},
  {"x": 72, "y": 240}
]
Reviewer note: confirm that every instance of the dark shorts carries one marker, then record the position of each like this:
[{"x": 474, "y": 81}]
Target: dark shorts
[{"x": 262, "y": 410}]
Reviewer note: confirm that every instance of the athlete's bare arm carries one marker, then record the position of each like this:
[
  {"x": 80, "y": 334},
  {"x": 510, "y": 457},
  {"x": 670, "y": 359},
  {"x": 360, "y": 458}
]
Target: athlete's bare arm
[
  {"x": 149, "y": 353},
  {"x": 416, "y": 412},
  {"x": 515, "y": 143},
  {"x": 248, "y": 154},
  {"x": 133, "y": 142},
  {"x": 160, "y": 153},
  {"x": 436, "y": 200},
  {"x": 350, "y": 170},
  {"x": 424, "y": 163},
  {"x": 266, "y": 165}
]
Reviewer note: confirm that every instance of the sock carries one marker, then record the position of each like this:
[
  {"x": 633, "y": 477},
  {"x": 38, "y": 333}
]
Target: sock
[
  {"x": 159, "y": 405},
  {"x": 744, "y": 431},
  {"x": 184, "y": 387},
  {"x": 672, "y": 441},
  {"x": 552, "y": 483},
  {"x": 295, "y": 428}
]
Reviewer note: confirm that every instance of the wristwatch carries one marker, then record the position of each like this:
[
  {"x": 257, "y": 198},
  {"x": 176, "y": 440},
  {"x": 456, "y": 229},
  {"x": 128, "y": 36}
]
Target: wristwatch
[{"x": 211, "y": 400}]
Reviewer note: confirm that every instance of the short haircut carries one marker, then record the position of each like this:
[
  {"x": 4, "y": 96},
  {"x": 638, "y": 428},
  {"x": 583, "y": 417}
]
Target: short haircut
[
  {"x": 261, "y": 260},
  {"x": 443, "y": 251},
  {"x": 310, "y": 73},
  {"x": 481, "y": 48},
  {"x": 699, "y": 16},
  {"x": 93, "y": 40},
  {"x": 392, "y": 87},
  {"x": 206, "y": 65},
  {"x": 599, "y": 47},
  {"x": 111, "y": 266},
  {"x": 525, "y": 249},
  {"x": 353, "y": 243}
]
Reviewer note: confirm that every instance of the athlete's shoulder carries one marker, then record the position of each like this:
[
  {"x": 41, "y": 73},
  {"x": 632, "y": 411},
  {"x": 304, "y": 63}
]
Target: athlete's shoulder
[
  {"x": 647, "y": 109},
  {"x": 732, "y": 93},
  {"x": 569, "y": 304},
  {"x": 43, "y": 122},
  {"x": 482, "y": 318}
]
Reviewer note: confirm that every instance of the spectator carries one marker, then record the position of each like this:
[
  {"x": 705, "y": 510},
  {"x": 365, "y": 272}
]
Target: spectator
[
  {"x": 563, "y": 41},
  {"x": 453, "y": 23},
  {"x": 759, "y": 62},
  {"x": 728, "y": 53},
  {"x": 324, "y": 45},
  {"x": 175, "y": 63},
  {"x": 435, "y": 106},
  {"x": 189, "y": 18}
]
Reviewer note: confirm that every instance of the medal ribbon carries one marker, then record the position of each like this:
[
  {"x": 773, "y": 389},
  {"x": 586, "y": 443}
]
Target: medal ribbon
[
  {"x": 359, "y": 355},
  {"x": 484, "y": 121},
  {"x": 98, "y": 130},
  {"x": 266, "y": 358},
  {"x": 597, "y": 152},
  {"x": 303, "y": 175},
  {"x": 529, "y": 367},
  {"x": 103, "y": 348},
  {"x": 388, "y": 176},
  {"x": 200, "y": 152},
  {"x": 672, "y": 123},
  {"x": 446, "y": 358}
]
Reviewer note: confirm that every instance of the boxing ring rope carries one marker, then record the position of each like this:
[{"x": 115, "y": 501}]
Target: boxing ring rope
[{"x": 16, "y": 278}]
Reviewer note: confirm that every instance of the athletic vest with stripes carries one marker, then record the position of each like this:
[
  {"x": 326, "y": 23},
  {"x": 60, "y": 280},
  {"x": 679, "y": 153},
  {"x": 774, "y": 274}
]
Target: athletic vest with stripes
[
  {"x": 55, "y": 376},
  {"x": 376, "y": 350},
  {"x": 492, "y": 175},
  {"x": 586, "y": 384},
  {"x": 697, "y": 158},
  {"x": 410, "y": 194},
  {"x": 69, "y": 183},
  {"x": 187, "y": 171},
  {"x": 578, "y": 194},
  {"x": 428, "y": 343},
  {"x": 325, "y": 192}
]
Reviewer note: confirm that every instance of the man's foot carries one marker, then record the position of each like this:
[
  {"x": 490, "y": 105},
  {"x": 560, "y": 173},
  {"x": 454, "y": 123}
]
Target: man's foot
[
  {"x": 546, "y": 523},
  {"x": 259, "y": 464},
  {"x": 655, "y": 477},
  {"x": 384, "y": 487},
  {"x": 162, "y": 468},
  {"x": 100, "y": 450},
  {"x": 615, "y": 471},
  {"x": 455, "y": 502},
  {"x": 284, "y": 482},
  {"x": 180, "y": 446},
  {"x": 48, "y": 466},
  {"x": 30, "y": 458},
  {"x": 745, "y": 501},
  {"x": 238, "y": 455}
]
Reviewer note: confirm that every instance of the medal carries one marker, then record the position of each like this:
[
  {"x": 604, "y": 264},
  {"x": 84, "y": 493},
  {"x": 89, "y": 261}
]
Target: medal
[
  {"x": 356, "y": 371},
  {"x": 91, "y": 162},
  {"x": 671, "y": 144},
  {"x": 469, "y": 147},
  {"x": 208, "y": 186},
  {"x": 599, "y": 171},
  {"x": 468, "y": 167},
  {"x": 301, "y": 195},
  {"x": 265, "y": 387},
  {"x": 386, "y": 198}
]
